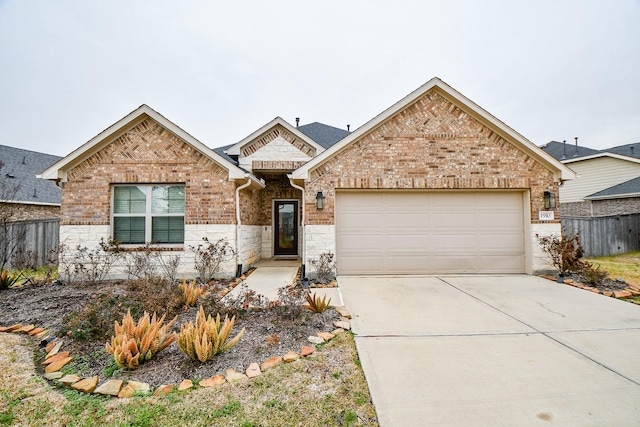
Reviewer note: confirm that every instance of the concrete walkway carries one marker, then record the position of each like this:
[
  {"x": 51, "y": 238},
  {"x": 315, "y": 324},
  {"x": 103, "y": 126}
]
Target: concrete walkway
[
  {"x": 273, "y": 274},
  {"x": 490, "y": 351}
]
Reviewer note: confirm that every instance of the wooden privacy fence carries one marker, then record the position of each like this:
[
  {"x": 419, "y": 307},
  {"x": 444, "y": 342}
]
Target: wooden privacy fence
[
  {"x": 601, "y": 236},
  {"x": 30, "y": 241}
]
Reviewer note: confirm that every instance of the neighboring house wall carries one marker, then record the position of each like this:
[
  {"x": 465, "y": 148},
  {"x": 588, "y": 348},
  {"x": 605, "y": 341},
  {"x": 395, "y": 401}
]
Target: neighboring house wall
[
  {"x": 600, "y": 208},
  {"x": 595, "y": 175},
  {"x": 149, "y": 154},
  {"x": 431, "y": 144},
  {"x": 25, "y": 212}
]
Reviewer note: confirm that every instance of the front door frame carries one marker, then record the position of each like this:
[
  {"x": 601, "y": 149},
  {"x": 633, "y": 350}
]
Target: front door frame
[{"x": 277, "y": 251}]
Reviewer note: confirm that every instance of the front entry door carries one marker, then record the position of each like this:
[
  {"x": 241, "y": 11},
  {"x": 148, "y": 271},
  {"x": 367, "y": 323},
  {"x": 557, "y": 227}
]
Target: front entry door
[{"x": 285, "y": 227}]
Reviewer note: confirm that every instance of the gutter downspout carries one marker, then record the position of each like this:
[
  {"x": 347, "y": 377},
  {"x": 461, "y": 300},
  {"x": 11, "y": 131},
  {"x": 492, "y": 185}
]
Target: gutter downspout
[
  {"x": 304, "y": 243},
  {"x": 238, "y": 224}
]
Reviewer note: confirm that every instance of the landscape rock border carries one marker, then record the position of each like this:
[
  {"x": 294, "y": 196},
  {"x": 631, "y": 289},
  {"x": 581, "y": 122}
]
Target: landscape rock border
[
  {"x": 55, "y": 360},
  {"x": 631, "y": 290}
]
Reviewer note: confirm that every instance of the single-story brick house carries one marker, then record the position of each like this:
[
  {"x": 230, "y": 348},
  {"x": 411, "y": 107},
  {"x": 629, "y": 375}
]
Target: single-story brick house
[{"x": 433, "y": 184}]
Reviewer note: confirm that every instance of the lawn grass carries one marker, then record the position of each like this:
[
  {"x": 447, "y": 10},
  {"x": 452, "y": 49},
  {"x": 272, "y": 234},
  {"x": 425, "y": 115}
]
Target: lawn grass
[
  {"x": 328, "y": 388},
  {"x": 624, "y": 266}
]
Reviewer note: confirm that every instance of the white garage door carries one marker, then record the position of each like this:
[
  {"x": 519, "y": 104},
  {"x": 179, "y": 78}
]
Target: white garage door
[{"x": 408, "y": 232}]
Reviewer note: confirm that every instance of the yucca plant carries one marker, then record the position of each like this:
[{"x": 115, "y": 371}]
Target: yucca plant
[
  {"x": 191, "y": 292},
  {"x": 7, "y": 280},
  {"x": 134, "y": 344},
  {"x": 317, "y": 305},
  {"x": 207, "y": 337}
]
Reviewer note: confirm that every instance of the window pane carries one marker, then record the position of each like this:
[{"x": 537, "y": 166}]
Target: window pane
[
  {"x": 168, "y": 229},
  {"x": 128, "y": 230},
  {"x": 168, "y": 199},
  {"x": 129, "y": 199}
]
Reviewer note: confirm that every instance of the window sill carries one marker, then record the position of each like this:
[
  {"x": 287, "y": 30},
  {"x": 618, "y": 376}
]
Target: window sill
[{"x": 152, "y": 248}]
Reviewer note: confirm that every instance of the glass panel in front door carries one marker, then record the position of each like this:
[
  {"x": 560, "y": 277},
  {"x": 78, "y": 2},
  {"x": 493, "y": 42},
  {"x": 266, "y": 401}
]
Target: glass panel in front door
[{"x": 286, "y": 235}]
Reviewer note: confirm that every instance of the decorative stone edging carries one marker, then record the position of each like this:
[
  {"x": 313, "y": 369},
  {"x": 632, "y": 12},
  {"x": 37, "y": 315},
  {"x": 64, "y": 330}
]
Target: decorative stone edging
[
  {"x": 630, "y": 291},
  {"x": 55, "y": 360}
]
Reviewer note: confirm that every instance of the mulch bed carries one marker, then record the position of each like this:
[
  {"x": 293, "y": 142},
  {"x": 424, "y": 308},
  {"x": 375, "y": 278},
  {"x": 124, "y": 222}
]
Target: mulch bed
[{"x": 46, "y": 306}]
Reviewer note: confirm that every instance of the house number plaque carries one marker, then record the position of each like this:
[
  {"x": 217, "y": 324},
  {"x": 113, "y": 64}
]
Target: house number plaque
[{"x": 546, "y": 215}]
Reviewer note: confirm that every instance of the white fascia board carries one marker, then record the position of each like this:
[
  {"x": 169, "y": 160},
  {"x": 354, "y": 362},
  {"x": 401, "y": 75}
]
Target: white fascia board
[
  {"x": 563, "y": 172},
  {"x": 235, "y": 149},
  {"x": 603, "y": 154},
  {"x": 614, "y": 196},
  {"x": 57, "y": 171},
  {"x": 21, "y": 202}
]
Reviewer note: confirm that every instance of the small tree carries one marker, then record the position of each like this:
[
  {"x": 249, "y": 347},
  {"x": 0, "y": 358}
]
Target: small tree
[{"x": 563, "y": 251}]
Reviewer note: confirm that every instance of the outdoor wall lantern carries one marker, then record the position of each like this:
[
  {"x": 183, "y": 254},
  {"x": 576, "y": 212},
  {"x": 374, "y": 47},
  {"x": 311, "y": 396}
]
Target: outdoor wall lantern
[
  {"x": 319, "y": 200},
  {"x": 549, "y": 200}
]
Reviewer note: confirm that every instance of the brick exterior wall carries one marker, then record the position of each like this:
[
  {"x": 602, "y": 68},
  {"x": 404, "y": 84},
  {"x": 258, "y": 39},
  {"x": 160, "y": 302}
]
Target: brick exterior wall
[
  {"x": 431, "y": 144},
  {"x": 24, "y": 212},
  {"x": 573, "y": 209},
  {"x": 625, "y": 206},
  {"x": 278, "y": 187},
  {"x": 148, "y": 153},
  {"x": 600, "y": 208}
]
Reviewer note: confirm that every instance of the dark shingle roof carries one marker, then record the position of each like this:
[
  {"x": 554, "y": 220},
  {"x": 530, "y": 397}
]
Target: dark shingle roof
[
  {"x": 324, "y": 135},
  {"x": 21, "y": 167},
  {"x": 562, "y": 152},
  {"x": 221, "y": 152},
  {"x": 631, "y": 150},
  {"x": 631, "y": 187}
]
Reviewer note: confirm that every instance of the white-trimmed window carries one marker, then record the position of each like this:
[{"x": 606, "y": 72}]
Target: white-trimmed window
[{"x": 148, "y": 213}]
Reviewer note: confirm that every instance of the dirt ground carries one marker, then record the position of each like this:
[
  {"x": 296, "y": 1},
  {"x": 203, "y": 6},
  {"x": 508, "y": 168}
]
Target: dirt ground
[{"x": 46, "y": 306}]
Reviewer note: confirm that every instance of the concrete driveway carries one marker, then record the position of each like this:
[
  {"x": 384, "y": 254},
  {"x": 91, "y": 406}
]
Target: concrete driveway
[{"x": 495, "y": 351}]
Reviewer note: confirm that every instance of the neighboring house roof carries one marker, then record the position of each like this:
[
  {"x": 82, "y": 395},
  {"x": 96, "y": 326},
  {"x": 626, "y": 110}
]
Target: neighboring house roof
[
  {"x": 21, "y": 168},
  {"x": 630, "y": 188},
  {"x": 59, "y": 170},
  {"x": 631, "y": 150},
  {"x": 566, "y": 151},
  {"x": 234, "y": 150},
  {"x": 324, "y": 135},
  {"x": 562, "y": 172},
  {"x": 602, "y": 154}
]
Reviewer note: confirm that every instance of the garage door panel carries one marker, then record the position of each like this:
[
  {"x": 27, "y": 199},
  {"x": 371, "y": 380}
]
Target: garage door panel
[
  {"x": 355, "y": 242},
  {"x": 429, "y": 232}
]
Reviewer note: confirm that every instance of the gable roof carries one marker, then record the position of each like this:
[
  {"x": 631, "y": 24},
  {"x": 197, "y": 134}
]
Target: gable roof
[
  {"x": 59, "y": 169},
  {"x": 20, "y": 168},
  {"x": 630, "y": 188},
  {"x": 562, "y": 172},
  {"x": 562, "y": 151},
  {"x": 235, "y": 149},
  {"x": 324, "y": 135}
]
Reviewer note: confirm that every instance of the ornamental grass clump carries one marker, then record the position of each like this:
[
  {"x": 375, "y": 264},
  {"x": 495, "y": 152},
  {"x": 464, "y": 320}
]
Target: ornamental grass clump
[
  {"x": 134, "y": 344},
  {"x": 317, "y": 305},
  {"x": 207, "y": 337},
  {"x": 7, "y": 280},
  {"x": 191, "y": 292}
]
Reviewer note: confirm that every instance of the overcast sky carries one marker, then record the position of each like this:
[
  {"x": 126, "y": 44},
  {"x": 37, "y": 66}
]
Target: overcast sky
[{"x": 550, "y": 69}]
